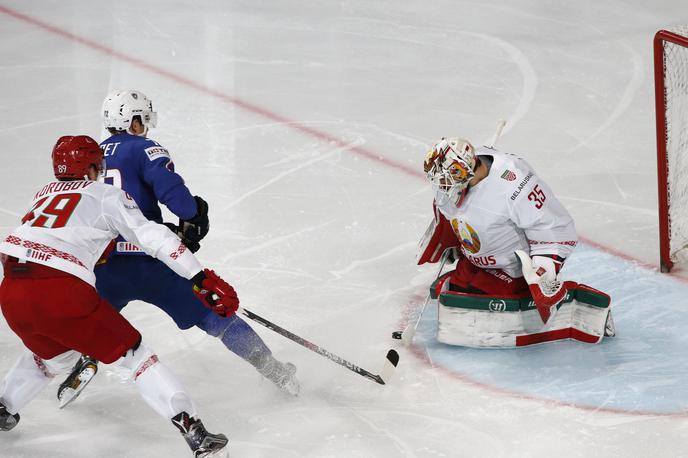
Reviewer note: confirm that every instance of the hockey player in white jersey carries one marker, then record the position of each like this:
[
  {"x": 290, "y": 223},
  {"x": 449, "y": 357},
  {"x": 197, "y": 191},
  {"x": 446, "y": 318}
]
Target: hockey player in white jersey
[
  {"x": 49, "y": 300},
  {"x": 513, "y": 233}
]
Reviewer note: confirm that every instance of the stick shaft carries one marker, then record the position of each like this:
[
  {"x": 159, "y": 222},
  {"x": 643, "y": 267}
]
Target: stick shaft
[
  {"x": 311, "y": 346},
  {"x": 498, "y": 133},
  {"x": 409, "y": 332}
]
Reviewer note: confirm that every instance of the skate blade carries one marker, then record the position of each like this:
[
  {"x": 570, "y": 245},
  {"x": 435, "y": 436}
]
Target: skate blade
[
  {"x": 224, "y": 453},
  {"x": 69, "y": 395}
]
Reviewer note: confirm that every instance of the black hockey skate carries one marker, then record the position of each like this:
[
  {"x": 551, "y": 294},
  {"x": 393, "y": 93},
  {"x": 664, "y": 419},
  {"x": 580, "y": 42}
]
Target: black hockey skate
[
  {"x": 281, "y": 374},
  {"x": 76, "y": 381},
  {"x": 7, "y": 420},
  {"x": 202, "y": 443}
]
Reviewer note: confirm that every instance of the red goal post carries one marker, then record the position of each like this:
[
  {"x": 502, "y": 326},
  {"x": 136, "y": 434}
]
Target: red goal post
[{"x": 671, "y": 108}]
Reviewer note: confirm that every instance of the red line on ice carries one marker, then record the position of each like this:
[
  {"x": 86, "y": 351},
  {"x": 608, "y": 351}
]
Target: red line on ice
[
  {"x": 265, "y": 113},
  {"x": 320, "y": 135},
  {"x": 255, "y": 109}
]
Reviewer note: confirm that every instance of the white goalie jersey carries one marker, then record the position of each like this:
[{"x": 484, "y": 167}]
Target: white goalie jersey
[
  {"x": 510, "y": 209},
  {"x": 70, "y": 223}
]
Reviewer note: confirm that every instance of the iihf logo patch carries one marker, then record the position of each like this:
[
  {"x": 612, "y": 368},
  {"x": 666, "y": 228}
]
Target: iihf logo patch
[{"x": 508, "y": 175}]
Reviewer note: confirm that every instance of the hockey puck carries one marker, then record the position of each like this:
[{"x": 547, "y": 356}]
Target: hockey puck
[{"x": 396, "y": 335}]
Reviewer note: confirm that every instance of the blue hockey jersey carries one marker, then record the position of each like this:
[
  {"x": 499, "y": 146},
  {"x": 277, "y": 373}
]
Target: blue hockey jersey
[{"x": 144, "y": 169}]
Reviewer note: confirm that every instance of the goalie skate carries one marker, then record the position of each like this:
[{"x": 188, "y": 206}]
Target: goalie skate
[
  {"x": 202, "y": 443},
  {"x": 7, "y": 420},
  {"x": 82, "y": 373},
  {"x": 609, "y": 327},
  {"x": 281, "y": 374}
]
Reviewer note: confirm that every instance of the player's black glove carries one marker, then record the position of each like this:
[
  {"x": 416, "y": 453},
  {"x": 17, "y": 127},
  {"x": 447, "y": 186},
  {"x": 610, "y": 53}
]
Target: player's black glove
[
  {"x": 190, "y": 244},
  {"x": 194, "y": 229}
]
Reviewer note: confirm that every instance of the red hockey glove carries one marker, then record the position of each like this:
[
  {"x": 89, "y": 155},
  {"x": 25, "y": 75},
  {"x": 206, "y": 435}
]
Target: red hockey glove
[
  {"x": 547, "y": 291},
  {"x": 215, "y": 293}
]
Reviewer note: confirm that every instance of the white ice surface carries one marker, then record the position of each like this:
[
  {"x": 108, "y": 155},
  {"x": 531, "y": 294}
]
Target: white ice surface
[{"x": 303, "y": 123}]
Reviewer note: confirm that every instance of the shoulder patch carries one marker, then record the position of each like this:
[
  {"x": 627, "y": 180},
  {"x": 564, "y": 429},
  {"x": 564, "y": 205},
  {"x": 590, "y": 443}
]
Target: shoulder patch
[
  {"x": 508, "y": 175},
  {"x": 156, "y": 152}
]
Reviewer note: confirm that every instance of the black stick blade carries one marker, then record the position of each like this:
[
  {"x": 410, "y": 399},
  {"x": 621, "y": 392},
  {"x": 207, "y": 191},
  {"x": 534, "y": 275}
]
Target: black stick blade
[
  {"x": 393, "y": 357},
  {"x": 390, "y": 364}
]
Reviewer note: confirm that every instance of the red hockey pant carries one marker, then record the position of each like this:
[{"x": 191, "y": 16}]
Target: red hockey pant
[
  {"x": 54, "y": 312},
  {"x": 469, "y": 278}
]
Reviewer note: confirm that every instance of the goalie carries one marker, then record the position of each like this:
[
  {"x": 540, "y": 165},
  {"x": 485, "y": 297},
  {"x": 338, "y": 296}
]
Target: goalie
[{"x": 511, "y": 236}]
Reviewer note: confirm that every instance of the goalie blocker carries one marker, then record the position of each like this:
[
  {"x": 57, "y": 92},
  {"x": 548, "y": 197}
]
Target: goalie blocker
[{"x": 474, "y": 320}]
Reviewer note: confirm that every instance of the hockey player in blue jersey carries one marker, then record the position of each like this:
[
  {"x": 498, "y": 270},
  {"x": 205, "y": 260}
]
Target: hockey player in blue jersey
[{"x": 144, "y": 169}]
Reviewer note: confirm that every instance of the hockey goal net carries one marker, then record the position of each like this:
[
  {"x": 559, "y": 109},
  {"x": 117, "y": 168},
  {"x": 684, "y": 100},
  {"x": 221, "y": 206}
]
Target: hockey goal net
[{"x": 671, "y": 100}]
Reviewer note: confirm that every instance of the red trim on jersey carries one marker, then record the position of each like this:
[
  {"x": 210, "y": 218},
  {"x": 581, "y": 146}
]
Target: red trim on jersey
[
  {"x": 148, "y": 363},
  {"x": 14, "y": 240},
  {"x": 178, "y": 252},
  {"x": 42, "y": 367}
]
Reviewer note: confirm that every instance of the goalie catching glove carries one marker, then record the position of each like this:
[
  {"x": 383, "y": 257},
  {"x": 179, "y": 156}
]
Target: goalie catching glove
[
  {"x": 215, "y": 293},
  {"x": 540, "y": 273}
]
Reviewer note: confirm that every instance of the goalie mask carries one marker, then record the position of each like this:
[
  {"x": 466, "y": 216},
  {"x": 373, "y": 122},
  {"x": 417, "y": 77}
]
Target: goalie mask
[
  {"x": 449, "y": 166},
  {"x": 73, "y": 157},
  {"x": 120, "y": 108}
]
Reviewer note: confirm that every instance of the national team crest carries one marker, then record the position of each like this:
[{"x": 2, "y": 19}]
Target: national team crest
[
  {"x": 469, "y": 238},
  {"x": 508, "y": 175}
]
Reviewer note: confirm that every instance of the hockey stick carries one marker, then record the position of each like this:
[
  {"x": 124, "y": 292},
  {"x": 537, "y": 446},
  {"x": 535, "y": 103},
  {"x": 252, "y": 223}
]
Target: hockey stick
[
  {"x": 391, "y": 360},
  {"x": 407, "y": 334},
  {"x": 500, "y": 127}
]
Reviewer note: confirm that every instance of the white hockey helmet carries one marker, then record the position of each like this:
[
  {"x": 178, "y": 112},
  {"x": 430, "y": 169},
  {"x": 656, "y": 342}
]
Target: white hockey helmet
[
  {"x": 120, "y": 107},
  {"x": 449, "y": 166}
]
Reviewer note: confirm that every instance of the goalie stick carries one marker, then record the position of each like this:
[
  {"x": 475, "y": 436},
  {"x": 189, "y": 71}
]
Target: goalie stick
[
  {"x": 407, "y": 334},
  {"x": 391, "y": 361},
  {"x": 498, "y": 133}
]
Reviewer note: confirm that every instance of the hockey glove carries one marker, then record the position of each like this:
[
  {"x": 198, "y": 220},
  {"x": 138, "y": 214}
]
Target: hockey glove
[
  {"x": 190, "y": 244},
  {"x": 215, "y": 293},
  {"x": 197, "y": 227},
  {"x": 540, "y": 274}
]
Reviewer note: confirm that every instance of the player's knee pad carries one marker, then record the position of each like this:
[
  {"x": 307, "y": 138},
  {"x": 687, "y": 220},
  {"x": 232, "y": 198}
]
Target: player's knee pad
[
  {"x": 158, "y": 386},
  {"x": 47, "y": 367},
  {"x": 216, "y": 325},
  {"x": 62, "y": 363},
  {"x": 24, "y": 381},
  {"x": 237, "y": 336},
  {"x": 137, "y": 360}
]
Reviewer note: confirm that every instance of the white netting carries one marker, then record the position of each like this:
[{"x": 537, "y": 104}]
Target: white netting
[{"x": 676, "y": 106}]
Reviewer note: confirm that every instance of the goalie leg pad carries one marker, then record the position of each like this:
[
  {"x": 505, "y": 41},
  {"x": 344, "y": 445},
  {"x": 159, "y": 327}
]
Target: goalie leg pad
[{"x": 510, "y": 321}]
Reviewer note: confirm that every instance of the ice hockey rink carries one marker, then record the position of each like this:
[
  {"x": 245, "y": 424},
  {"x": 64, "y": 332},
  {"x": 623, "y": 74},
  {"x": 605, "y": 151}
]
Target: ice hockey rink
[{"x": 304, "y": 124}]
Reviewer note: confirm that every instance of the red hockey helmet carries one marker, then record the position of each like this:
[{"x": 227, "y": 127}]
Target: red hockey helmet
[{"x": 74, "y": 155}]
